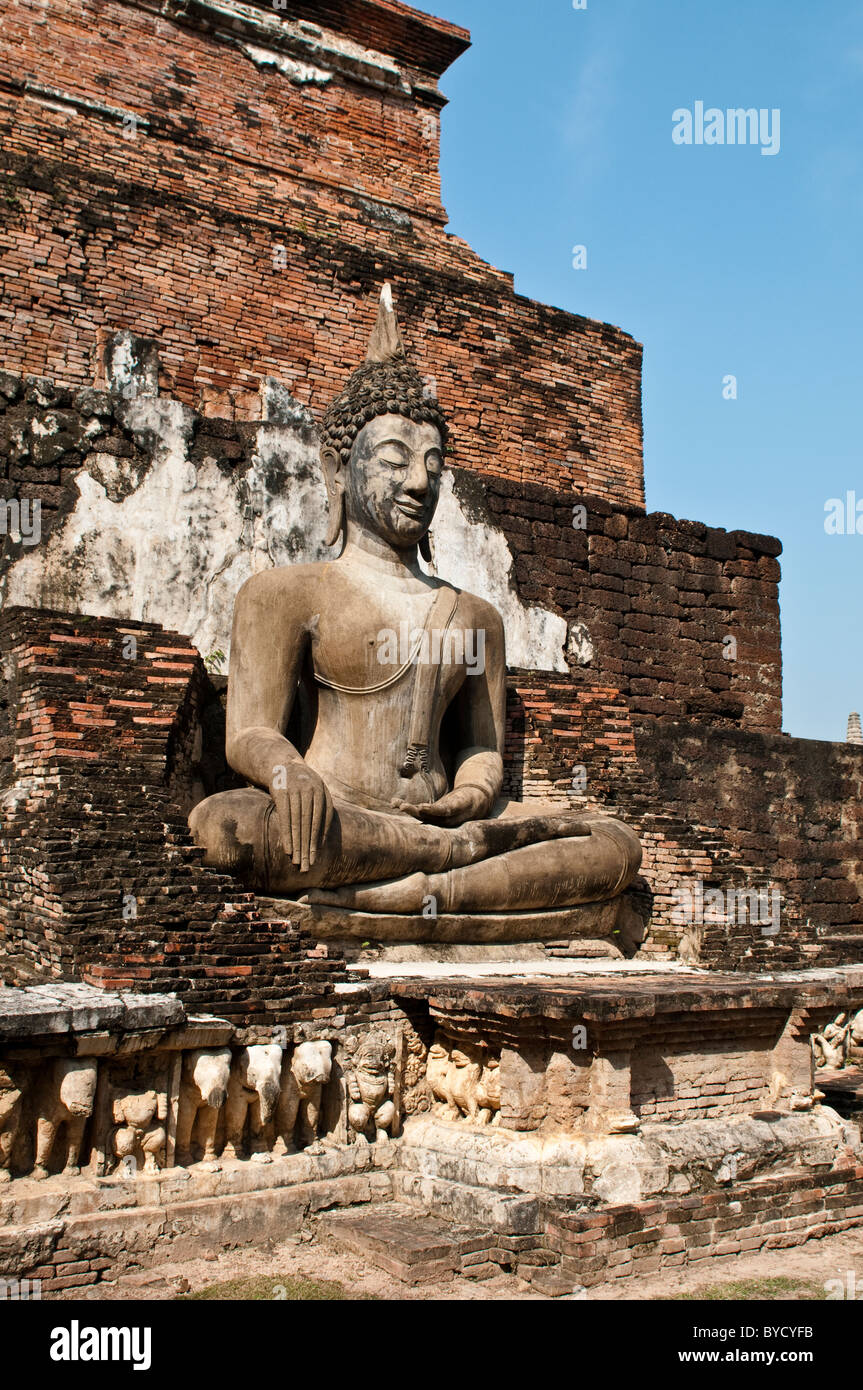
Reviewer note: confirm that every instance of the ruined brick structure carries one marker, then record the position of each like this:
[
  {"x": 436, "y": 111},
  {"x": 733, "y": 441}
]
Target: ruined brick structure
[
  {"x": 658, "y": 599},
  {"x": 235, "y": 190},
  {"x": 98, "y": 877},
  {"x": 278, "y": 167},
  {"x": 199, "y": 201},
  {"x": 102, "y": 754},
  {"x": 722, "y": 807}
]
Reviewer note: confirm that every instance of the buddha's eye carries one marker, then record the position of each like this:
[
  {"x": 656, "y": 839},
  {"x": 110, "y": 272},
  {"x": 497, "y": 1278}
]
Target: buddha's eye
[{"x": 390, "y": 461}]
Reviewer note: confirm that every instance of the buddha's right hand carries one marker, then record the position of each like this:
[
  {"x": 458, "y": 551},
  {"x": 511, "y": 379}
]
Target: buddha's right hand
[{"x": 304, "y": 808}]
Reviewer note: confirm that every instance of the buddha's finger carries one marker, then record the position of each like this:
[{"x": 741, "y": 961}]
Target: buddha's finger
[
  {"x": 296, "y": 827},
  {"x": 283, "y": 815},
  {"x": 329, "y": 811},
  {"x": 572, "y": 828},
  {"x": 308, "y": 805},
  {"x": 449, "y": 805},
  {"x": 318, "y": 807}
]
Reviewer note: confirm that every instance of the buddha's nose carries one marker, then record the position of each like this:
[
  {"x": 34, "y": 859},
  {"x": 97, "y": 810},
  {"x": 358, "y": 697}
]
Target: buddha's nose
[{"x": 417, "y": 480}]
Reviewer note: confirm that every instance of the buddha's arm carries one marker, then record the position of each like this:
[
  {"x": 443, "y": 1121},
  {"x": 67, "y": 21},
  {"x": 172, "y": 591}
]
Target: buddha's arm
[
  {"x": 480, "y": 710},
  {"x": 269, "y": 639},
  {"x": 482, "y": 719}
]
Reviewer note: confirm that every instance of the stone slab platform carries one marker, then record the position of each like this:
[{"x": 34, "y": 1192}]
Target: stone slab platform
[
  {"x": 631, "y": 992},
  {"x": 61, "y": 1009},
  {"x": 71, "y": 1233},
  {"x": 415, "y": 1247},
  {"x": 591, "y": 921}
]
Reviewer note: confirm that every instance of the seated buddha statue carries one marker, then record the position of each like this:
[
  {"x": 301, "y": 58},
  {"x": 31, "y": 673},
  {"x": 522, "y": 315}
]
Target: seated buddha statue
[{"x": 366, "y": 705}]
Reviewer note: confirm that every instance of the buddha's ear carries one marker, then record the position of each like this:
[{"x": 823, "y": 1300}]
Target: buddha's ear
[{"x": 334, "y": 477}]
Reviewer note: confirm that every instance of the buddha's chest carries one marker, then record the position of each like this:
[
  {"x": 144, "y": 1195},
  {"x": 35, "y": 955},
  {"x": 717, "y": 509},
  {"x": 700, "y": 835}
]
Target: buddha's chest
[{"x": 362, "y": 644}]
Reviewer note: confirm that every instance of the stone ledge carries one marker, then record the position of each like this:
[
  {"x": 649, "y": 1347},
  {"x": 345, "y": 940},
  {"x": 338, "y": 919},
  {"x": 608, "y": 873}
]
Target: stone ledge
[
  {"x": 56, "y": 1010},
  {"x": 633, "y": 992},
  {"x": 29, "y": 1202}
]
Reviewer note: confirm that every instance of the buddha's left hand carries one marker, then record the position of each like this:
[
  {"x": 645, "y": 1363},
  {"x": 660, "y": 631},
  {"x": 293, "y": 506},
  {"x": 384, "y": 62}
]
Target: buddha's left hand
[{"x": 454, "y": 808}]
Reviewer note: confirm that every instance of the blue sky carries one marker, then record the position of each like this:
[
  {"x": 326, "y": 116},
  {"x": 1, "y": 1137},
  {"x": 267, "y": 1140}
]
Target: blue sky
[{"x": 719, "y": 259}]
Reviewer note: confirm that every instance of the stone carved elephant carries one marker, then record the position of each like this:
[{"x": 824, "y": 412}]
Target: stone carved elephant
[
  {"x": 304, "y": 1076},
  {"x": 140, "y": 1135},
  {"x": 203, "y": 1091},
  {"x": 65, "y": 1098},
  {"x": 437, "y": 1071},
  {"x": 253, "y": 1094},
  {"x": 10, "y": 1119}
]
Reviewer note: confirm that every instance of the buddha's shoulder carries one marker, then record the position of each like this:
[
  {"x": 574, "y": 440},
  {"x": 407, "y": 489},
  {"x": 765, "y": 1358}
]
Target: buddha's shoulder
[
  {"x": 477, "y": 612},
  {"x": 288, "y": 583}
]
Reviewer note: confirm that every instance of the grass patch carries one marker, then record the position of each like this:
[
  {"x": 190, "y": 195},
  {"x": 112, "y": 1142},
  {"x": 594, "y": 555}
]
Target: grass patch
[
  {"x": 741, "y": 1290},
  {"x": 272, "y": 1288}
]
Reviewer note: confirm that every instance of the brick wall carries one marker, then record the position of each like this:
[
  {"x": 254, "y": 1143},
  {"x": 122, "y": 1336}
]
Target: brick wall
[
  {"x": 172, "y": 233},
  {"x": 788, "y": 811},
  {"x": 578, "y": 1248},
  {"x": 656, "y": 599},
  {"x": 102, "y": 756},
  {"x": 683, "y": 618},
  {"x": 728, "y": 809},
  {"x": 100, "y": 881},
  {"x": 767, "y": 1214}
]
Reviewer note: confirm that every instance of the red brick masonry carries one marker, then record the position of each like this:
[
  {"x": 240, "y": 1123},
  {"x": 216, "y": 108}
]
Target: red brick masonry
[{"x": 250, "y": 217}]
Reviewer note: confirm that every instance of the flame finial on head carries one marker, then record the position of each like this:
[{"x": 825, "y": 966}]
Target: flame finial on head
[
  {"x": 385, "y": 384},
  {"x": 385, "y": 344}
]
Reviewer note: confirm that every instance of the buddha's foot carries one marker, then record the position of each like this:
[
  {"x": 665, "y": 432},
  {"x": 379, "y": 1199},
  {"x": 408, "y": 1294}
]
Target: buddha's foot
[
  {"x": 396, "y": 895},
  {"x": 471, "y": 844},
  {"x": 541, "y": 873},
  {"x": 484, "y": 839}
]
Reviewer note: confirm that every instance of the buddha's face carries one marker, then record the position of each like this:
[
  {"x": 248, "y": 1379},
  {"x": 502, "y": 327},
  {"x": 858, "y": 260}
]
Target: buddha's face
[{"x": 394, "y": 479}]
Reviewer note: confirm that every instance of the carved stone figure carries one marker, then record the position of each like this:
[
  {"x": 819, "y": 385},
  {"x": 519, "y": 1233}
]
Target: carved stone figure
[
  {"x": 462, "y": 1080},
  {"x": 304, "y": 1076},
  {"x": 253, "y": 1096},
  {"x": 370, "y": 1086},
  {"x": 65, "y": 1101},
  {"x": 488, "y": 1092},
  {"x": 416, "y": 1092},
  {"x": 831, "y": 1047},
  {"x": 437, "y": 1072},
  {"x": 140, "y": 1134},
  {"x": 10, "y": 1118},
  {"x": 387, "y": 796},
  {"x": 203, "y": 1091},
  {"x": 857, "y": 1029}
]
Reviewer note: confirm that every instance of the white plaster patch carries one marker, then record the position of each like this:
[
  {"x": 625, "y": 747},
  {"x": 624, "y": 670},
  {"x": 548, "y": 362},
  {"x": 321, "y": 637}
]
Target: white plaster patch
[
  {"x": 177, "y": 548},
  {"x": 477, "y": 558},
  {"x": 173, "y": 543},
  {"x": 301, "y": 73}
]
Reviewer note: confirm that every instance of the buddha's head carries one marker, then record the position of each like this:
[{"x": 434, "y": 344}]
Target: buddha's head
[{"x": 383, "y": 442}]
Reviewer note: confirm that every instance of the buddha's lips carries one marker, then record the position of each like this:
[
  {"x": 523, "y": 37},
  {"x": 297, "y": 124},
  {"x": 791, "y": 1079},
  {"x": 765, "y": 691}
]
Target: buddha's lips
[{"x": 415, "y": 513}]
